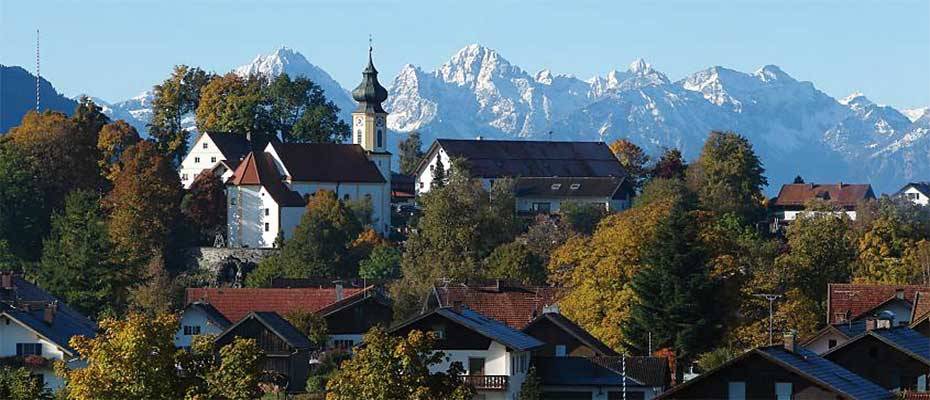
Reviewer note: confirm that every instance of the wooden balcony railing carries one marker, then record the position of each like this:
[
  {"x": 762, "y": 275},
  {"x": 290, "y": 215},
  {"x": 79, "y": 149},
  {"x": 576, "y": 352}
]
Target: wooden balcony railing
[{"x": 487, "y": 382}]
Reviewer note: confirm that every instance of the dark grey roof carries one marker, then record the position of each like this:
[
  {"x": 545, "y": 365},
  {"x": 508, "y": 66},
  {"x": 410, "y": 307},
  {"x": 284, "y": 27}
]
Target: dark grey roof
[
  {"x": 907, "y": 340},
  {"x": 26, "y": 303},
  {"x": 568, "y": 187},
  {"x": 276, "y": 324},
  {"x": 213, "y": 315},
  {"x": 327, "y": 162},
  {"x": 826, "y": 372},
  {"x": 650, "y": 371},
  {"x": 922, "y": 187},
  {"x": 370, "y": 94},
  {"x": 523, "y": 158},
  {"x": 234, "y": 146},
  {"x": 851, "y": 329},
  {"x": 578, "y": 371},
  {"x": 573, "y": 329},
  {"x": 489, "y": 328}
]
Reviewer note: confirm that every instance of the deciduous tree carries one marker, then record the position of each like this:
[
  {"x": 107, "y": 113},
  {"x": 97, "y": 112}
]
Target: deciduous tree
[
  {"x": 300, "y": 110},
  {"x": 670, "y": 165},
  {"x": 514, "y": 261},
  {"x": 204, "y": 205},
  {"x": 728, "y": 176},
  {"x": 113, "y": 140},
  {"x": 24, "y": 217},
  {"x": 231, "y": 103},
  {"x": 381, "y": 265},
  {"x": 633, "y": 159},
  {"x": 411, "y": 153},
  {"x": 174, "y": 99}
]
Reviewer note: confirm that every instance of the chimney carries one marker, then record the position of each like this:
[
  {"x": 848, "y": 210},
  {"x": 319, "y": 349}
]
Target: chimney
[
  {"x": 339, "y": 291},
  {"x": 899, "y": 294},
  {"x": 6, "y": 280},
  {"x": 791, "y": 341},
  {"x": 50, "y": 310},
  {"x": 874, "y": 323}
]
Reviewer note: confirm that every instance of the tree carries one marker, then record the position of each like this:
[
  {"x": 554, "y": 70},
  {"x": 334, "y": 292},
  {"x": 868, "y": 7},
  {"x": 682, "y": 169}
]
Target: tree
[
  {"x": 886, "y": 236},
  {"x": 543, "y": 237},
  {"x": 132, "y": 358},
  {"x": 531, "y": 389},
  {"x": 728, "y": 176},
  {"x": 397, "y": 368},
  {"x": 439, "y": 174},
  {"x": 582, "y": 217},
  {"x": 174, "y": 99},
  {"x": 157, "y": 293},
  {"x": 204, "y": 205},
  {"x": 663, "y": 190},
  {"x": 670, "y": 165},
  {"x": 319, "y": 247},
  {"x": 89, "y": 117},
  {"x": 411, "y": 153},
  {"x": 382, "y": 265},
  {"x": 24, "y": 217},
  {"x": 716, "y": 358},
  {"x": 113, "y": 140},
  {"x": 633, "y": 159},
  {"x": 238, "y": 373},
  {"x": 231, "y": 103},
  {"x": 514, "y": 261},
  {"x": 675, "y": 304},
  {"x": 76, "y": 264},
  {"x": 798, "y": 179},
  {"x": 310, "y": 324},
  {"x": 20, "y": 384},
  {"x": 300, "y": 111},
  {"x": 144, "y": 204},
  {"x": 918, "y": 256}
]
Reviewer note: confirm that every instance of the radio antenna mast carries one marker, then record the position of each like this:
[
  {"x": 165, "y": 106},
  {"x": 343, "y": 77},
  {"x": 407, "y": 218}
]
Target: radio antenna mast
[{"x": 37, "y": 70}]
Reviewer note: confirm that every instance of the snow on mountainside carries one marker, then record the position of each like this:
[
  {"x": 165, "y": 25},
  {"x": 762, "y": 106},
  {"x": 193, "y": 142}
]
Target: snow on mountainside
[{"x": 914, "y": 114}]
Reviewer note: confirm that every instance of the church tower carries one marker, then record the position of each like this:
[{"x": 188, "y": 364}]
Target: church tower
[{"x": 369, "y": 129}]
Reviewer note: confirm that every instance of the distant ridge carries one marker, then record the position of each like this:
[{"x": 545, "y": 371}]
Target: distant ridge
[{"x": 18, "y": 96}]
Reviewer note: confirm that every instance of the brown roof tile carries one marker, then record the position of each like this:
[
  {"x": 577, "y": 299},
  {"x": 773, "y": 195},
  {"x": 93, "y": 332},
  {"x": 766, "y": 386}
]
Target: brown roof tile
[
  {"x": 259, "y": 169},
  {"x": 921, "y": 306},
  {"x": 841, "y": 194},
  {"x": 235, "y": 303},
  {"x": 327, "y": 162},
  {"x": 514, "y": 306},
  {"x": 855, "y": 300}
]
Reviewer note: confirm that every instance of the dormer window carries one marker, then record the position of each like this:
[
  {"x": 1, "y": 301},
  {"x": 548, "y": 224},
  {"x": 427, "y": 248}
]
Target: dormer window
[
  {"x": 575, "y": 186},
  {"x": 556, "y": 186}
]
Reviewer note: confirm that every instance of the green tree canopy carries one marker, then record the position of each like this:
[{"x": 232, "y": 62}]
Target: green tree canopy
[
  {"x": 24, "y": 217},
  {"x": 670, "y": 165},
  {"x": 381, "y": 265},
  {"x": 411, "y": 153},
  {"x": 515, "y": 261},
  {"x": 300, "y": 111},
  {"x": 174, "y": 98},
  {"x": 728, "y": 176},
  {"x": 633, "y": 159}
]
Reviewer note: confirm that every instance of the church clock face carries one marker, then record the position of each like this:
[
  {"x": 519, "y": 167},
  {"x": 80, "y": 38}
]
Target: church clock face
[
  {"x": 380, "y": 122},
  {"x": 359, "y": 121}
]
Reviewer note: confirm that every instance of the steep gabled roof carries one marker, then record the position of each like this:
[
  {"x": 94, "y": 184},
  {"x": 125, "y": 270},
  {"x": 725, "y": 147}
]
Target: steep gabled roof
[
  {"x": 362, "y": 295},
  {"x": 212, "y": 314},
  {"x": 275, "y": 323},
  {"x": 327, "y": 162},
  {"x": 570, "y": 327},
  {"x": 808, "y": 365},
  {"x": 487, "y": 327},
  {"x": 921, "y": 309},
  {"x": 26, "y": 304},
  {"x": 233, "y": 146},
  {"x": 922, "y": 187},
  {"x": 650, "y": 371},
  {"x": 258, "y": 169},
  {"x": 513, "y": 158},
  {"x": 579, "y": 371},
  {"x": 568, "y": 187},
  {"x": 902, "y": 338},
  {"x": 846, "y": 329},
  {"x": 841, "y": 194},
  {"x": 513, "y": 305},
  {"x": 235, "y": 303},
  {"x": 857, "y": 300}
]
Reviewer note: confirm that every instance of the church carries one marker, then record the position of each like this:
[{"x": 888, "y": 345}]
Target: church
[{"x": 268, "y": 187}]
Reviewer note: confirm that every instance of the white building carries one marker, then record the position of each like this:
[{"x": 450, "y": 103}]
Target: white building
[
  {"x": 36, "y": 327},
  {"x": 268, "y": 190},
  {"x": 218, "y": 152},
  {"x": 794, "y": 199},
  {"x": 546, "y": 174},
  {"x": 916, "y": 192},
  {"x": 199, "y": 318}
]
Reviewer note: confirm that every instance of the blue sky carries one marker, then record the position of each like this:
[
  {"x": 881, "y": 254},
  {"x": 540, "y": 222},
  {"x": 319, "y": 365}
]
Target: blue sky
[{"x": 115, "y": 49}]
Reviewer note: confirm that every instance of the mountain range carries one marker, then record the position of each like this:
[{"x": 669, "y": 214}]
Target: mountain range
[
  {"x": 18, "y": 96},
  {"x": 795, "y": 128}
]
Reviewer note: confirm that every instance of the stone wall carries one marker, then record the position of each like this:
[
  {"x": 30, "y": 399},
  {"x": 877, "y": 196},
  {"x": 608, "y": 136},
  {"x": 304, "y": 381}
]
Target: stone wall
[{"x": 226, "y": 265}]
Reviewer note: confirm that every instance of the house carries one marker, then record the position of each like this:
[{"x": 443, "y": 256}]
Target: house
[
  {"x": 920, "y": 313},
  {"x": 916, "y": 192},
  {"x": 403, "y": 190},
  {"x": 782, "y": 372},
  {"x": 199, "y": 318},
  {"x": 794, "y": 198},
  {"x": 513, "y": 304},
  {"x": 496, "y": 357},
  {"x": 563, "y": 337},
  {"x": 348, "y": 312},
  {"x": 546, "y": 173},
  {"x": 853, "y": 302},
  {"x": 833, "y": 335},
  {"x": 894, "y": 357},
  {"x": 218, "y": 152},
  {"x": 268, "y": 189},
  {"x": 36, "y": 329},
  {"x": 286, "y": 350}
]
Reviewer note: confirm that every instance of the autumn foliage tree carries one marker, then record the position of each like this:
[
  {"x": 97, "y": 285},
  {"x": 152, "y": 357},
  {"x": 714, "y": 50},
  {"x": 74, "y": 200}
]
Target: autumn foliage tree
[
  {"x": 633, "y": 159},
  {"x": 204, "y": 205},
  {"x": 728, "y": 176},
  {"x": 113, "y": 140},
  {"x": 174, "y": 98}
]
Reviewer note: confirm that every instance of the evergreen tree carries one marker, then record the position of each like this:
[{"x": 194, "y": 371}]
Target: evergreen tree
[
  {"x": 23, "y": 213},
  {"x": 728, "y": 177},
  {"x": 439, "y": 175},
  {"x": 670, "y": 165},
  {"x": 675, "y": 295},
  {"x": 300, "y": 111},
  {"x": 76, "y": 262},
  {"x": 411, "y": 153}
]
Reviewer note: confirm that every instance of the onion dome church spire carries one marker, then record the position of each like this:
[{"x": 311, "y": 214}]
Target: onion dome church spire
[{"x": 370, "y": 94}]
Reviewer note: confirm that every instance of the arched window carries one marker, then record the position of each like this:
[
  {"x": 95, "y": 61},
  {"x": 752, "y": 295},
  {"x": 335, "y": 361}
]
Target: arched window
[
  {"x": 380, "y": 140},
  {"x": 358, "y": 136}
]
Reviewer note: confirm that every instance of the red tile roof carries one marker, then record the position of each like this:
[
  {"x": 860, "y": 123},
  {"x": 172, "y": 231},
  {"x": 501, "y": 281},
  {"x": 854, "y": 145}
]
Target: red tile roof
[
  {"x": 921, "y": 305},
  {"x": 841, "y": 194},
  {"x": 259, "y": 169},
  {"x": 514, "y": 306},
  {"x": 235, "y": 303},
  {"x": 857, "y": 299}
]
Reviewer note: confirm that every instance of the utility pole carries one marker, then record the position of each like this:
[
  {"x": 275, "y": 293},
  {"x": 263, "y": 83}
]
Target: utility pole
[
  {"x": 623, "y": 374},
  {"x": 37, "y": 70},
  {"x": 771, "y": 297}
]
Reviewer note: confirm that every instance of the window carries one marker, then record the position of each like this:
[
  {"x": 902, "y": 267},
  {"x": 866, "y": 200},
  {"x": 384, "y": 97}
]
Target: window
[
  {"x": 736, "y": 391},
  {"x": 345, "y": 196},
  {"x": 196, "y": 159},
  {"x": 267, "y": 212},
  {"x": 212, "y": 159},
  {"x": 343, "y": 344},
  {"x": 183, "y": 177},
  {"x": 783, "y": 391},
  {"x": 191, "y": 330},
  {"x": 541, "y": 207},
  {"x": 232, "y": 201},
  {"x": 267, "y": 227},
  {"x": 831, "y": 343},
  {"x": 440, "y": 332},
  {"x": 575, "y": 186},
  {"x": 475, "y": 366},
  {"x": 560, "y": 350},
  {"x": 556, "y": 186},
  {"x": 519, "y": 363},
  {"x": 205, "y": 145},
  {"x": 26, "y": 349},
  {"x": 358, "y": 136},
  {"x": 380, "y": 139}
]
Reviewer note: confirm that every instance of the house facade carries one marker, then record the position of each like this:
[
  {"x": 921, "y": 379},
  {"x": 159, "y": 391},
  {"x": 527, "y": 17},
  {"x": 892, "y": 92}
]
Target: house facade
[
  {"x": 217, "y": 152},
  {"x": 35, "y": 329},
  {"x": 495, "y": 356},
  {"x": 896, "y": 358},
  {"x": 199, "y": 318},
  {"x": 546, "y": 174},
  {"x": 916, "y": 192},
  {"x": 793, "y": 199}
]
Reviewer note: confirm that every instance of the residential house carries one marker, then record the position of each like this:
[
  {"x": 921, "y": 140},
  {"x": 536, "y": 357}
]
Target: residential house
[
  {"x": 854, "y": 302},
  {"x": 546, "y": 173},
  {"x": 564, "y": 338},
  {"x": 896, "y": 358},
  {"x": 920, "y": 313},
  {"x": 347, "y": 320},
  {"x": 916, "y": 192},
  {"x": 286, "y": 350},
  {"x": 495, "y": 356},
  {"x": 833, "y": 335},
  {"x": 794, "y": 198},
  {"x": 199, "y": 318},
  {"x": 513, "y": 304},
  {"x": 784, "y": 372},
  {"x": 36, "y": 329},
  {"x": 403, "y": 190},
  {"x": 217, "y": 152}
]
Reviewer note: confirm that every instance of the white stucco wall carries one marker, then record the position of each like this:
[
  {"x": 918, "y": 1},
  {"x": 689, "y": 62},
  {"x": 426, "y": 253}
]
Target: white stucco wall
[
  {"x": 380, "y": 198},
  {"x": 793, "y": 215},
  {"x": 822, "y": 343},
  {"x": 497, "y": 361},
  {"x": 194, "y": 317},
  {"x": 12, "y": 332},
  {"x": 246, "y": 217},
  {"x": 525, "y": 204},
  {"x": 915, "y": 196},
  {"x": 190, "y": 166},
  {"x": 425, "y": 177}
]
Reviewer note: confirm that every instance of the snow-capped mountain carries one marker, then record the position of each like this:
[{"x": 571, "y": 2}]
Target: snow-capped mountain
[{"x": 914, "y": 114}]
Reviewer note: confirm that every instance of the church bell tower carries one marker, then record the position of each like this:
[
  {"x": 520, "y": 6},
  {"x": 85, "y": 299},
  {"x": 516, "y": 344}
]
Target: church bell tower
[{"x": 369, "y": 127}]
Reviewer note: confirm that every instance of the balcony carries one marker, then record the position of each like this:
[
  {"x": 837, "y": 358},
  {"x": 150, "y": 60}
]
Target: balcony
[{"x": 487, "y": 382}]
